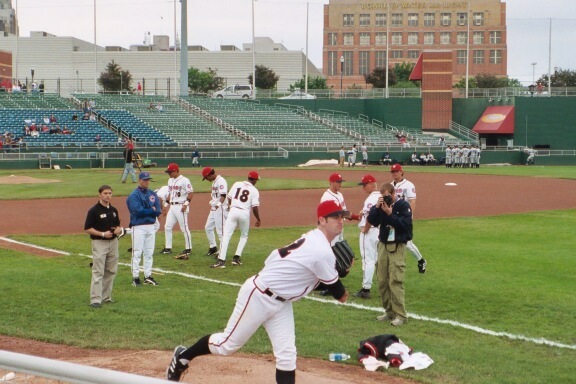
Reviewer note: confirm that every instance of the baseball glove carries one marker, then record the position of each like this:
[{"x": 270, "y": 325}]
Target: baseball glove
[{"x": 344, "y": 257}]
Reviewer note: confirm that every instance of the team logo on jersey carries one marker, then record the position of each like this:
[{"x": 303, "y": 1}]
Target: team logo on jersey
[
  {"x": 152, "y": 199},
  {"x": 221, "y": 187},
  {"x": 189, "y": 186}
]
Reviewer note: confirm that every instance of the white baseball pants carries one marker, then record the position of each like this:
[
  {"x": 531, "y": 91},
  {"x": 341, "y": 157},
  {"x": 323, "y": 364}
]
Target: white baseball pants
[
  {"x": 236, "y": 218},
  {"x": 369, "y": 252},
  {"x": 413, "y": 249},
  {"x": 175, "y": 215},
  {"x": 215, "y": 221},
  {"x": 143, "y": 242}
]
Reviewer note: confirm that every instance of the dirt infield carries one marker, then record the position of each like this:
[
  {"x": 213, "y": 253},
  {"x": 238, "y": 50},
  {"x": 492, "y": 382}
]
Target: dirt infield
[{"x": 472, "y": 195}]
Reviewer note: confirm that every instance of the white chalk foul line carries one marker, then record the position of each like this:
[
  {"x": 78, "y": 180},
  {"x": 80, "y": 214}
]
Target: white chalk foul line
[{"x": 453, "y": 323}]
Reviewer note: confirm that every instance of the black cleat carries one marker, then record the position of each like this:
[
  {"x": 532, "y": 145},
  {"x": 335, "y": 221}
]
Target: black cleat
[
  {"x": 422, "y": 266},
  {"x": 236, "y": 261},
  {"x": 176, "y": 368},
  {"x": 166, "y": 251},
  {"x": 212, "y": 252}
]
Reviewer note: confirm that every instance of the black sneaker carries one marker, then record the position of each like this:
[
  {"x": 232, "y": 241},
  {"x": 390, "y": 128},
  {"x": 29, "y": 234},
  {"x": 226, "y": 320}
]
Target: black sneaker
[
  {"x": 422, "y": 265},
  {"x": 212, "y": 252},
  {"x": 363, "y": 294},
  {"x": 184, "y": 255},
  {"x": 236, "y": 260},
  {"x": 219, "y": 264},
  {"x": 166, "y": 251},
  {"x": 136, "y": 282},
  {"x": 176, "y": 368},
  {"x": 150, "y": 280}
]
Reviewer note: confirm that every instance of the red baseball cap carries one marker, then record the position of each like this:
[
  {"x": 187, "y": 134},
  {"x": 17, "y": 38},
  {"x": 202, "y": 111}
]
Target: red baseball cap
[
  {"x": 367, "y": 180},
  {"x": 396, "y": 167},
  {"x": 172, "y": 167},
  {"x": 335, "y": 177},
  {"x": 254, "y": 175},
  {"x": 206, "y": 172},
  {"x": 330, "y": 208}
]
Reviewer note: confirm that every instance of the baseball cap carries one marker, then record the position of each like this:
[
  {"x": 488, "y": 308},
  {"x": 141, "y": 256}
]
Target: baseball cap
[
  {"x": 335, "y": 177},
  {"x": 396, "y": 167},
  {"x": 254, "y": 175},
  {"x": 145, "y": 176},
  {"x": 206, "y": 172},
  {"x": 330, "y": 208},
  {"x": 367, "y": 179},
  {"x": 172, "y": 167}
]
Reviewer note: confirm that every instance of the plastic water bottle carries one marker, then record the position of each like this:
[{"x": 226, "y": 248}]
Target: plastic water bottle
[{"x": 338, "y": 356}]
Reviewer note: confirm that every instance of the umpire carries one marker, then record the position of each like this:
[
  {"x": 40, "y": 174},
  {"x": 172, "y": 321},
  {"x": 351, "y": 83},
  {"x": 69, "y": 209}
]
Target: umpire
[
  {"x": 103, "y": 226},
  {"x": 394, "y": 217}
]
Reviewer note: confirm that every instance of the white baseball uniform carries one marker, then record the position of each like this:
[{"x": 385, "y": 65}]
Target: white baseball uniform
[
  {"x": 464, "y": 158},
  {"x": 218, "y": 211},
  {"x": 368, "y": 242},
  {"x": 364, "y": 151},
  {"x": 407, "y": 191},
  {"x": 162, "y": 193},
  {"x": 243, "y": 196},
  {"x": 289, "y": 274},
  {"x": 339, "y": 198},
  {"x": 473, "y": 156},
  {"x": 178, "y": 190},
  {"x": 448, "y": 156},
  {"x": 456, "y": 157}
]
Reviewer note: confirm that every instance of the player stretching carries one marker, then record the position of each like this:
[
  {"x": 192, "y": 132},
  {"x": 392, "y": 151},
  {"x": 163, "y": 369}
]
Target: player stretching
[
  {"x": 265, "y": 299},
  {"x": 218, "y": 208},
  {"x": 176, "y": 210},
  {"x": 242, "y": 198},
  {"x": 407, "y": 191}
]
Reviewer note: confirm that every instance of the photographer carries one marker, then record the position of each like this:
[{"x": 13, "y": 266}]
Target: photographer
[{"x": 394, "y": 218}]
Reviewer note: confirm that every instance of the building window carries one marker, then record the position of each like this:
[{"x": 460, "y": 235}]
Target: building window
[
  {"x": 495, "y": 37},
  {"x": 380, "y": 38},
  {"x": 396, "y": 54},
  {"x": 445, "y": 38},
  {"x": 397, "y": 38},
  {"x": 412, "y": 38},
  {"x": 446, "y": 19},
  {"x": 478, "y": 37},
  {"x": 381, "y": 59},
  {"x": 461, "y": 56},
  {"x": 396, "y": 19},
  {"x": 348, "y": 20},
  {"x": 364, "y": 63},
  {"x": 380, "y": 19},
  {"x": 413, "y": 54},
  {"x": 461, "y": 38},
  {"x": 364, "y": 38},
  {"x": 478, "y": 57},
  {"x": 429, "y": 19},
  {"x": 478, "y": 18},
  {"x": 332, "y": 63},
  {"x": 428, "y": 38},
  {"x": 462, "y": 19},
  {"x": 348, "y": 39},
  {"x": 364, "y": 19},
  {"x": 495, "y": 56},
  {"x": 413, "y": 19},
  {"x": 332, "y": 38},
  {"x": 348, "y": 68}
]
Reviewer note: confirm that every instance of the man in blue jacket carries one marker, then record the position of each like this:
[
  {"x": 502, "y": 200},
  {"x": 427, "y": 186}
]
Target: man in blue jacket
[
  {"x": 144, "y": 207},
  {"x": 394, "y": 218}
]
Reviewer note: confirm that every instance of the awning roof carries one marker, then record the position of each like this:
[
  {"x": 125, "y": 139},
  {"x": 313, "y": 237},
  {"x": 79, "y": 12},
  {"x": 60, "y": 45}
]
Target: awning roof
[
  {"x": 496, "y": 119},
  {"x": 416, "y": 73}
]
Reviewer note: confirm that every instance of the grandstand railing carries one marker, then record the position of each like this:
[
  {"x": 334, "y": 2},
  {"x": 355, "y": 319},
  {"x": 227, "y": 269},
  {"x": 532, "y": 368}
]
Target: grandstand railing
[{"x": 462, "y": 131}]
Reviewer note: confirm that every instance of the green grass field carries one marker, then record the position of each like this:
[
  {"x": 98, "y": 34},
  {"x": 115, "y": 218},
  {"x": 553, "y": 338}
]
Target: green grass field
[{"x": 487, "y": 276}]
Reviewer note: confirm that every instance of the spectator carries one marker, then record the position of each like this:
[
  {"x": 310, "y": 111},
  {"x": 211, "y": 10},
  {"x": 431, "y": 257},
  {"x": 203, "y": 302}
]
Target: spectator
[
  {"x": 98, "y": 141},
  {"x": 86, "y": 116},
  {"x": 53, "y": 119},
  {"x": 342, "y": 156},
  {"x": 34, "y": 87},
  {"x": 41, "y": 87},
  {"x": 75, "y": 117},
  {"x": 441, "y": 141},
  {"x": 159, "y": 107},
  {"x": 139, "y": 88},
  {"x": 151, "y": 106},
  {"x": 16, "y": 88}
]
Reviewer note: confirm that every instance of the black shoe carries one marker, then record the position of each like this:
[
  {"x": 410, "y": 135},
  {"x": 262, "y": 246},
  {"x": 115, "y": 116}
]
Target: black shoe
[
  {"x": 212, "y": 252},
  {"x": 422, "y": 265},
  {"x": 236, "y": 260},
  {"x": 129, "y": 250},
  {"x": 150, "y": 280},
  {"x": 166, "y": 251},
  {"x": 219, "y": 264},
  {"x": 176, "y": 368},
  {"x": 363, "y": 294},
  {"x": 136, "y": 282},
  {"x": 95, "y": 305}
]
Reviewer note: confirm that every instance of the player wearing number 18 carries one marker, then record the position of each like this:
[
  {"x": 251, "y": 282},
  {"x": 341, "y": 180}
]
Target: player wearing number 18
[
  {"x": 242, "y": 197},
  {"x": 289, "y": 274}
]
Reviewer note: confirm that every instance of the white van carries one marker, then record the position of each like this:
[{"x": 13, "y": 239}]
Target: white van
[{"x": 234, "y": 92}]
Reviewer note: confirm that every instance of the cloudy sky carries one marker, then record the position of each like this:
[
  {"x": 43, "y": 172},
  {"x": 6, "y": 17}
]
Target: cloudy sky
[{"x": 215, "y": 22}]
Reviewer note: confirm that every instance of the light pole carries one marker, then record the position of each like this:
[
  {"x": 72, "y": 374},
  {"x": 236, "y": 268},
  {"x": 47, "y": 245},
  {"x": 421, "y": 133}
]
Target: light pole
[
  {"x": 77, "y": 78},
  {"x": 120, "y": 82},
  {"x": 32, "y": 73},
  {"x": 533, "y": 71},
  {"x": 341, "y": 73}
]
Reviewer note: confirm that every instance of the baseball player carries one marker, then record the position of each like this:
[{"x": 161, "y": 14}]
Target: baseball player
[
  {"x": 352, "y": 156},
  {"x": 448, "y": 160},
  {"x": 243, "y": 197},
  {"x": 464, "y": 158},
  {"x": 176, "y": 210},
  {"x": 265, "y": 299},
  {"x": 364, "y": 150},
  {"x": 195, "y": 157},
  {"x": 162, "y": 194},
  {"x": 103, "y": 225},
  {"x": 218, "y": 208},
  {"x": 128, "y": 154},
  {"x": 405, "y": 190},
  {"x": 333, "y": 193},
  {"x": 144, "y": 207},
  {"x": 531, "y": 153},
  {"x": 456, "y": 156},
  {"x": 368, "y": 236},
  {"x": 473, "y": 156}
]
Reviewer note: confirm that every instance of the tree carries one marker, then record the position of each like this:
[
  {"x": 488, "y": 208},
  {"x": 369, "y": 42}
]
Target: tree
[
  {"x": 491, "y": 81},
  {"x": 265, "y": 77},
  {"x": 204, "y": 81},
  {"x": 114, "y": 79},
  {"x": 317, "y": 82},
  {"x": 462, "y": 83},
  {"x": 403, "y": 71},
  {"x": 560, "y": 78},
  {"x": 378, "y": 77}
]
